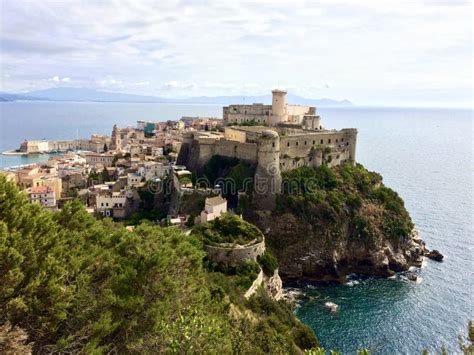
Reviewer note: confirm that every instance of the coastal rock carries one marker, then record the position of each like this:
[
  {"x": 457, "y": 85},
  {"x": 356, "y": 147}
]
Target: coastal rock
[
  {"x": 307, "y": 254},
  {"x": 434, "y": 255},
  {"x": 274, "y": 285},
  {"x": 331, "y": 307}
]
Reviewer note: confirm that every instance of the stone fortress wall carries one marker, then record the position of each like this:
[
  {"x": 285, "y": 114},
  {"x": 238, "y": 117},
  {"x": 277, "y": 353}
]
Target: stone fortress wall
[
  {"x": 278, "y": 146},
  {"x": 278, "y": 111},
  {"x": 235, "y": 255}
]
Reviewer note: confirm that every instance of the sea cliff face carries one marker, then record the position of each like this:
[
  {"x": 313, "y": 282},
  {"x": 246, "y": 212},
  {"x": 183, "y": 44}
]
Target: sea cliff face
[
  {"x": 304, "y": 253},
  {"x": 337, "y": 221}
]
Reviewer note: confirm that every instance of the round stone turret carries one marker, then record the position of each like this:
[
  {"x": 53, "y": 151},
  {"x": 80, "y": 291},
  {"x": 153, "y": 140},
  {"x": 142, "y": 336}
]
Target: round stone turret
[
  {"x": 279, "y": 107},
  {"x": 268, "y": 175}
]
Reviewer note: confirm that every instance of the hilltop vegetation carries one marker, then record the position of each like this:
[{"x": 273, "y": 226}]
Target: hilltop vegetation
[
  {"x": 228, "y": 228},
  {"x": 70, "y": 283},
  {"x": 332, "y": 221}
]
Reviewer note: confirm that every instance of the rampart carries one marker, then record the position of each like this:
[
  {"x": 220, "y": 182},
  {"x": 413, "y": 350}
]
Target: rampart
[{"x": 235, "y": 255}]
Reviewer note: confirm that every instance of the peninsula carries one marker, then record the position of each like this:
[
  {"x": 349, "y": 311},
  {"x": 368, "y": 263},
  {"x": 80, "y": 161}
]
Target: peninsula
[{"x": 263, "y": 197}]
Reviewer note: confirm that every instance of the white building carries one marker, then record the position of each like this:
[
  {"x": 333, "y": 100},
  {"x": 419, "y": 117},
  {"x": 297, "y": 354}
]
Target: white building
[
  {"x": 134, "y": 179},
  {"x": 151, "y": 170},
  {"x": 43, "y": 195},
  {"x": 106, "y": 202},
  {"x": 213, "y": 208}
]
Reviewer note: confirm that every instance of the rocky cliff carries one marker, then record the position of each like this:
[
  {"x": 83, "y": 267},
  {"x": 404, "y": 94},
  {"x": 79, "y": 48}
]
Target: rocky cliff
[{"x": 331, "y": 222}]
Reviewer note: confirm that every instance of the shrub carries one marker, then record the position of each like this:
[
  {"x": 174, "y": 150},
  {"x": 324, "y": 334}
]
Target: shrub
[
  {"x": 228, "y": 228},
  {"x": 268, "y": 262}
]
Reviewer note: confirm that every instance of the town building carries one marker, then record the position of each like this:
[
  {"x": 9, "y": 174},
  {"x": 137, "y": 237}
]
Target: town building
[
  {"x": 102, "y": 159},
  {"x": 44, "y": 195},
  {"x": 213, "y": 208}
]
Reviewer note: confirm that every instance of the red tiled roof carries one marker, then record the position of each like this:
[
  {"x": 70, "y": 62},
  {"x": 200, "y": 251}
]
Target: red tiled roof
[{"x": 41, "y": 189}]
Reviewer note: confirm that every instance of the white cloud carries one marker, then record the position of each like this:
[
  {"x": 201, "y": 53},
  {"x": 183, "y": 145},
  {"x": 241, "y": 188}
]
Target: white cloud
[
  {"x": 221, "y": 47},
  {"x": 58, "y": 79}
]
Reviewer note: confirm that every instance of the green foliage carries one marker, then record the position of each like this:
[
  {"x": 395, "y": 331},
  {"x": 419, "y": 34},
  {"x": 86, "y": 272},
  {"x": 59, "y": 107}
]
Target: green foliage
[
  {"x": 268, "y": 262},
  {"x": 227, "y": 228},
  {"x": 79, "y": 285},
  {"x": 242, "y": 175},
  {"x": 153, "y": 215},
  {"x": 218, "y": 166},
  {"x": 241, "y": 275},
  {"x": 278, "y": 316},
  {"x": 247, "y": 123},
  {"x": 331, "y": 196}
]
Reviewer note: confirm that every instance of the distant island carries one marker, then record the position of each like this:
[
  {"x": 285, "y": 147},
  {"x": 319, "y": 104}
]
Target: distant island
[{"x": 91, "y": 95}]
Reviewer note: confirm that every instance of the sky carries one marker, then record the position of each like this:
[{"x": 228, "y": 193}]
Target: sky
[{"x": 372, "y": 52}]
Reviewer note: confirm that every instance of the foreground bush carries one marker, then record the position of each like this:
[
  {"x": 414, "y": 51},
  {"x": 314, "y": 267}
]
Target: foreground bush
[{"x": 70, "y": 283}]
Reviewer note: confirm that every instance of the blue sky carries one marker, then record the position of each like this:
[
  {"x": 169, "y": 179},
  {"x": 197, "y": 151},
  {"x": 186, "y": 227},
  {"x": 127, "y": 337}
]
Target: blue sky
[{"x": 371, "y": 52}]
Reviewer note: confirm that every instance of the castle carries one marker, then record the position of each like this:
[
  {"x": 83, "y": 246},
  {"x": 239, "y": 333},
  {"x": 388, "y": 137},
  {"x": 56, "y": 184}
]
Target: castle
[{"x": 275, "y": 138}]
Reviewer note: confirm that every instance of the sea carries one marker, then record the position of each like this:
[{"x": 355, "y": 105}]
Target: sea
[{"x": 426, "y": 155}]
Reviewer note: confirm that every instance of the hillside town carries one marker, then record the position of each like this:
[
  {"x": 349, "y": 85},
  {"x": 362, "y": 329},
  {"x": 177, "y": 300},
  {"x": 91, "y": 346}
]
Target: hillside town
[{"x": 149, "y": 171}]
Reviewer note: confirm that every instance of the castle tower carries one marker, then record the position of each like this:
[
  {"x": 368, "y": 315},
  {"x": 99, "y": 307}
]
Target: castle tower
[
  {"x": 116, "y": 139},
  {"x": 279, "y": 107},
  {"x": 352, "y": 144},
  {"x": 268, "y": 175}
]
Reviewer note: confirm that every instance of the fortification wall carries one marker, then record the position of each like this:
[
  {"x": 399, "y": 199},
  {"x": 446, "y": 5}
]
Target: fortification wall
[
  {"x": 236, "y": 255},
  {"x": 231, "y": 149}
]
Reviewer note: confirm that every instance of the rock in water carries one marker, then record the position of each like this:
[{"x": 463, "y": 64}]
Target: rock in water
[
  {"x": 331, "y": 307},
  {"x": 434, "y": 255}
]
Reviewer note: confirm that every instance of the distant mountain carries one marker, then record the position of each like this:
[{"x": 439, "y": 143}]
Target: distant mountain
[
  {"x": 16, "y": 97},
  {"x": 82, "y": 94}
]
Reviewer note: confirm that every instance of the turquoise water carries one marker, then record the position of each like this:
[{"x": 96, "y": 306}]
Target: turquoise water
[
  {"x": 68, "y": 120},
  {"x": 425, "y": 155}
]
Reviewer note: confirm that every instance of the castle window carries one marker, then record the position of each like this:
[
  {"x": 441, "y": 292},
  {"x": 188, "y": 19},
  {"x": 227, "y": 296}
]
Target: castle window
[
  {"x": 304, "y": 142},
  {"x": 337, "y": 140},
  {"x": 314, "y": 142},
  {"x": 288, "y": 144},
  {"x": 342, "y": 139},
  {"x": 296, "y": 143},
  {"x": 329, "y": 140},
  {"x": 321, "y": 141},
  {"x": 273, "y": 144}
]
